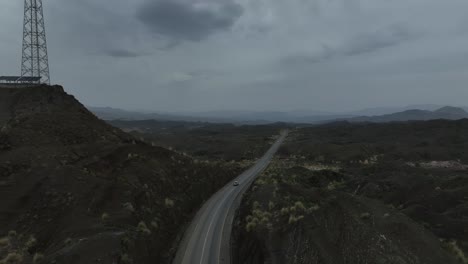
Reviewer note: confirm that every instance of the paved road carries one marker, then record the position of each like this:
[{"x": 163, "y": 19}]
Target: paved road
[{"x": 207, "y": 239}]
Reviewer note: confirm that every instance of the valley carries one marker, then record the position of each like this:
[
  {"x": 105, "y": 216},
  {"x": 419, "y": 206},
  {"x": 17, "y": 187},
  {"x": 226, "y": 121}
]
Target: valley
[{"x": 76, "y": 189}]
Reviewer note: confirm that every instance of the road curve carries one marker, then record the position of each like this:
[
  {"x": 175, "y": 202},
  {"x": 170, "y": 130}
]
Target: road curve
[{"x": 207, "y": 240}]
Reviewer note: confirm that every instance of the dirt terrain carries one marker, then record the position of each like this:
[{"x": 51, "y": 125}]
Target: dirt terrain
[
  {"x": 74, "y": 189},
  {"x": 361, "y": 193}
]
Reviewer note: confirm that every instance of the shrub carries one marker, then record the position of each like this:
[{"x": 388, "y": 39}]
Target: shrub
[
  {"x": 292, "y": 209},
  {"x": 294, "y": 219},
  {"x": 264, "y": 221},
  {"x": 284, "y": 211},
  {"x": 169, "y": 203},
  {"x": 250, "y": 226},
  {"x": 143, "y": 228},
  {"x": 105, "y": 217},
  {"x": 256, "y": 205},
  {"x": 258, "y": 219},
  {"x": 335, "y": 185},
  {"x": 299, "y": 206},
  {"x": 129, "y": 207},
  {"x": 31, "y": 243},
  {"x": 4, "y": 242},
  {"x": 365, "y": 215},
  {"x": 313, "y": 208}
]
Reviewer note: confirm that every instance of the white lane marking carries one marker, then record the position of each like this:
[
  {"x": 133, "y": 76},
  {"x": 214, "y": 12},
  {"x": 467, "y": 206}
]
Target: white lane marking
[
  {"x": 221, "y": 237},
  {"x": 252, "y": 170},
  {"x": 260, "y": 167},
  {"x": 211, "y": 223},
  {"x": 224, "y": 223},
  {"x": 210, "y": 204},
  {"x": 257, "y": 169},
  {"x": 189, "y": 244}
]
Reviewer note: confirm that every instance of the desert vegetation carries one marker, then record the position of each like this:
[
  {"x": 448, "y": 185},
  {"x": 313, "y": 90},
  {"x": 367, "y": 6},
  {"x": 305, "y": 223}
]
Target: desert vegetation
[
  {"x": 19, "y": 248},
  {"x": 204, "y": 141},
  {"x": 362, "y": 182}
]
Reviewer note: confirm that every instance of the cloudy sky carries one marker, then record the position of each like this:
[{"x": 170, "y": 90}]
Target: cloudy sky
[{"x": 200, "y": 55}]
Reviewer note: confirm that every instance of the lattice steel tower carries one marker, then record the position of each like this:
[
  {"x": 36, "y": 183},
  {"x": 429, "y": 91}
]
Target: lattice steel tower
[{"x": 35, "y": 61}]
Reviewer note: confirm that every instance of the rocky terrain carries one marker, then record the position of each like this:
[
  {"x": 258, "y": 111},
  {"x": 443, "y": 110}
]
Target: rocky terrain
[
  {"x": 361, "y": 193},
  {"x": 74, "y": 189},
  {"x": 222, "y": 142}
]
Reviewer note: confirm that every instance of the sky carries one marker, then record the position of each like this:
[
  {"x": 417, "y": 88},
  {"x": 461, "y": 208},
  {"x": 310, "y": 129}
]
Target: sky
[{"x": 256, "y": 55}]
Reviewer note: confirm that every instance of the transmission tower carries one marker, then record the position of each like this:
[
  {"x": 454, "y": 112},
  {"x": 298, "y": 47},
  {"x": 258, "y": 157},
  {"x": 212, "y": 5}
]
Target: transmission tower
[{"x": 35, "y": 61}]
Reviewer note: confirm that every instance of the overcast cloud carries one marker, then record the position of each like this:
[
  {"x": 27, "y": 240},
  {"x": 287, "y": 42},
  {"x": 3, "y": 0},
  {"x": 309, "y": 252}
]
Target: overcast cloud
[
  {"x": 188, "y": 20},
  {"x": 197, "y": 55}
]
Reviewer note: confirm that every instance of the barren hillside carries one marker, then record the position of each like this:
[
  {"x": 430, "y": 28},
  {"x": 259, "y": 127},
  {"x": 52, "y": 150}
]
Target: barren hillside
[{"x": 73, "y": 189}]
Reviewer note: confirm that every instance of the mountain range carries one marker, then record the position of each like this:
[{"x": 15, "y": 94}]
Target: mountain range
[
  {"x": 381, "y": 114},
  {"x": 447, "y": 112}
]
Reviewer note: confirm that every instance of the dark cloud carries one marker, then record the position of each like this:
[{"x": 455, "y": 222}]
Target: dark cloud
[
  {"x": 188, "y": 20},
  {"x": 94, "y": 27},
  {"x": 333, "y": 54}
]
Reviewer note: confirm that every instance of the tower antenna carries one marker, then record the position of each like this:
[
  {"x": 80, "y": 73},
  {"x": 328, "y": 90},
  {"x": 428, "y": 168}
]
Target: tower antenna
[{"x": 35, "y": 61}]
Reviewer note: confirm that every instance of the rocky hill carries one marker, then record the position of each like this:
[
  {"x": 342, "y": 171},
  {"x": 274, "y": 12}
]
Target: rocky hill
[{"x": 74, "y": 189}]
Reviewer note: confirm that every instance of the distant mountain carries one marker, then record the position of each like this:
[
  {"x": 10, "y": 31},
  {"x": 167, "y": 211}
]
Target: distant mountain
[
  {"x": 273, "y": 116},
  {"x": 447, "y": 112},
  {"x": 108, "y": 113},
  {"x": 382, "y": 114},
  {"x": 377, "y": 111},
  {"x": 234, "y": 117}
]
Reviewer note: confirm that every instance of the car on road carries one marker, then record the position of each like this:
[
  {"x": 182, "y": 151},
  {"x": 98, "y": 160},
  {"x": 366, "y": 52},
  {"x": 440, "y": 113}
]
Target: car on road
[{"x": 236, "y": 183}]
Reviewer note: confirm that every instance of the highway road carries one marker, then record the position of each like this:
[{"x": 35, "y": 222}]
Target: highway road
[{"x": 207, "y": 240}]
